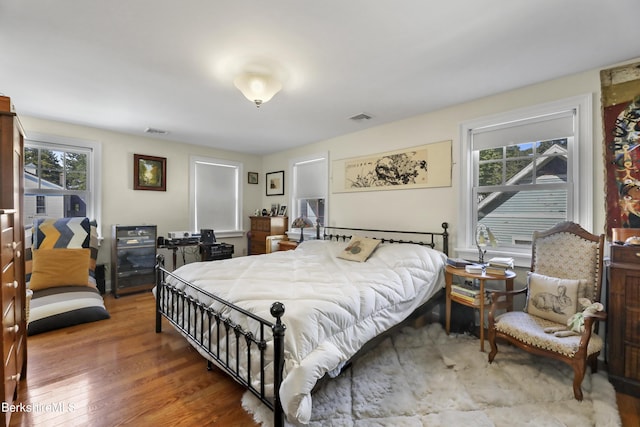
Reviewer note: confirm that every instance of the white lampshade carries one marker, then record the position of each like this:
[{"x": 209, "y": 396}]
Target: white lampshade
[{"x": 257, "y": 87}]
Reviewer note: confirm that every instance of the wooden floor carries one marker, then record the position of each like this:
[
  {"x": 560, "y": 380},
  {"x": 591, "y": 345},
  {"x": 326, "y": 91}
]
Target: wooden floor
[{"x": 120, "y": 372}]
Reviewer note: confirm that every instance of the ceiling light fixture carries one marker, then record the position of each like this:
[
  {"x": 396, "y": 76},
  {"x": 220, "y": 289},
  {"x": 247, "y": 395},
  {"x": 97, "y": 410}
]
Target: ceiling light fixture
[{"x": 257, "y": 87}]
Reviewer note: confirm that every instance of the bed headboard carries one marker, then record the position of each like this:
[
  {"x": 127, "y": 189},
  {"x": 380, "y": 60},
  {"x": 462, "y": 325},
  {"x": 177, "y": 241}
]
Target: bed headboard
[{"x": 427, "y": 238}]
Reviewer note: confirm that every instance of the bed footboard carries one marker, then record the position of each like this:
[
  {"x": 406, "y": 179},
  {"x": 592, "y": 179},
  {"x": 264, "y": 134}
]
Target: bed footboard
[{"x": 196, "y": 320}]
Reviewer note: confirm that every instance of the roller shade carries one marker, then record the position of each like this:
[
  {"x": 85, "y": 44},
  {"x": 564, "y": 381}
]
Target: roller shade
[
  {"x": 555, "y": 126},
  {"x": 310, "y": 179}
]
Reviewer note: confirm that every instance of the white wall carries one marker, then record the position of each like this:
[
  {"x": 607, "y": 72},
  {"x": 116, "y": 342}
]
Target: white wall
[
  {"x": 121, "y": 204},
  {"x": 420, "y": 209},
  {"x": 426, "y": 209}
]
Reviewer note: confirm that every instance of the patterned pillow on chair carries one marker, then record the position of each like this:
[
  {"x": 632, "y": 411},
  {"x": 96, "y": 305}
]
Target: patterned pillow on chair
[
  {"x": 552, "y": 298},
  {"x": 63, "y": 233}
]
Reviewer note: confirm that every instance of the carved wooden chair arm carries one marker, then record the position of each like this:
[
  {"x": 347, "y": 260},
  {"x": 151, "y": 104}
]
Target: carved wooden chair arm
[
  {"x": 499, "y": 301},
  {"x": 589, "y": 320}
]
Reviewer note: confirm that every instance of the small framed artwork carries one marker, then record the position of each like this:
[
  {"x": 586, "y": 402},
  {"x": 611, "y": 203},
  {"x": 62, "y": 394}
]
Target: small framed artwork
[
  {"x": 149, "y": 173},
  {"x": 275, "y": 183},
  {"x": 282, "y": 211},
  {"x": 253, "y": 178},
  {"x": 274, "y": 209}
]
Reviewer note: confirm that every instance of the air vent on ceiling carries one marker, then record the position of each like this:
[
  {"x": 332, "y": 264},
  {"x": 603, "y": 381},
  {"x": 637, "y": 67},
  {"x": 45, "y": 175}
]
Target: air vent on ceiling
[
  {"x": 155, "y": 131},
  {"x": 361, "y": 116}
]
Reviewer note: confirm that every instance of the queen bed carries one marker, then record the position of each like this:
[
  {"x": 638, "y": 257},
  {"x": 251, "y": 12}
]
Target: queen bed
[{"x": 331, "y": 300}]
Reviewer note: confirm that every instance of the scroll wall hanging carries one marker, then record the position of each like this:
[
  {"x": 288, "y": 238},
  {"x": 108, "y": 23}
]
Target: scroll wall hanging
[
  {"x": 417, "y": 167},
  {"x": 621, "y": 121}
]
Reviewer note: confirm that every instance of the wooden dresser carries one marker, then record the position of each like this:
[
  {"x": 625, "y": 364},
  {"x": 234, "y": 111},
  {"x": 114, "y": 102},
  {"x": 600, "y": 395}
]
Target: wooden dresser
[
  {"x": 263, "y": 226},
  {"x": 623, "y": 319},
  {"x": 13, "y": 295}
]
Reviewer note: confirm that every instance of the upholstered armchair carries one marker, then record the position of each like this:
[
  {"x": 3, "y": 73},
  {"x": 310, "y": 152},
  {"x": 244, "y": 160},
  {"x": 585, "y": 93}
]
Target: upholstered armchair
[{"x": 566, "y": 269}]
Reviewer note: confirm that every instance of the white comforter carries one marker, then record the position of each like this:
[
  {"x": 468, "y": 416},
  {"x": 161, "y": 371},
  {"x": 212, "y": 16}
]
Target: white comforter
[{"x": 332, "y": 306}]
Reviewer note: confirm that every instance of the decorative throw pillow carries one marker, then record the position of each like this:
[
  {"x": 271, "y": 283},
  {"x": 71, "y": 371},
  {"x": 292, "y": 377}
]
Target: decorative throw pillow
[
  {"x": 59, "y": 267},
  {"x": 552, "y": 298},
  {"x": 359, "y": 249}
]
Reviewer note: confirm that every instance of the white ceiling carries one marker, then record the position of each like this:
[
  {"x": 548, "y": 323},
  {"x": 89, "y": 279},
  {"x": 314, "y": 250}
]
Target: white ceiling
[{"x": 169, "y": 64}]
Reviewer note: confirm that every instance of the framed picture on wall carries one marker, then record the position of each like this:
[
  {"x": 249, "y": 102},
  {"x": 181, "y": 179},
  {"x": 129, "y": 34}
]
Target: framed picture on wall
[
  {"x": 275, "y": 183},
  {"x": 149, "y": 173},
  {"x": 252, "y": 178}
]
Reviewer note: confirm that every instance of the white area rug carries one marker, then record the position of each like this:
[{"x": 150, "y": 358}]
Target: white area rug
[{"x": 422, "y": 377}]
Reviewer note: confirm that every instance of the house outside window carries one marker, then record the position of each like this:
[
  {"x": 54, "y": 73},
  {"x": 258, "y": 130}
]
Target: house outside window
[
  {"x": 216, "y": 196},
  {"x": 309, "y": 191},
  {"x": 62, "y": 178},
  {"x": 525, "y": 171}
]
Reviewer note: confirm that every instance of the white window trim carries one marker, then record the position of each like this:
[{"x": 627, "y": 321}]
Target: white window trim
[
  {"x": 95, "y": 167},
  {"x": 582, "y": 176},
  {"x": 239, "y": 232},
  {"x": 292, "y": 184}
]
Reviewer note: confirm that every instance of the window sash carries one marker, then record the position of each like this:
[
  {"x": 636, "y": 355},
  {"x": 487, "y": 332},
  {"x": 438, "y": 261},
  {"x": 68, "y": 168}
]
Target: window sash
[
  {"x": 309, "y": 183},
  {"x": 90, "y": 196},
  {"x": 579, "y": 168}
]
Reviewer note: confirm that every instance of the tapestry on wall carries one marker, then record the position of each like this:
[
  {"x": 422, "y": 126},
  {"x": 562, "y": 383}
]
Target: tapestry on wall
[
  {"x": 621, "y": 121},
  {"x": 417, "y": 167}
]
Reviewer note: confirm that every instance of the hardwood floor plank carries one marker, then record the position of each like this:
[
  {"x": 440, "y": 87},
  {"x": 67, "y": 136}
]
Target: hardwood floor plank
[{"x": 119, "y": 372}]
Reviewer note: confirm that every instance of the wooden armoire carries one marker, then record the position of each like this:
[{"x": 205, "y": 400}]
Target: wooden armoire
[{"x": 13, "y": 295}]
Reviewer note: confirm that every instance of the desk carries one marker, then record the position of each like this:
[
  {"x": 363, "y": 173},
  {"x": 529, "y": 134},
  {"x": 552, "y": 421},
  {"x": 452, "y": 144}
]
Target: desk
[
  {"x": 208, "y": 251},
  {"x": 451, "y": 271}
]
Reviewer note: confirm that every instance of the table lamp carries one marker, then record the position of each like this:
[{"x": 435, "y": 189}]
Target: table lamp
[{"x": 301, "y": 223}]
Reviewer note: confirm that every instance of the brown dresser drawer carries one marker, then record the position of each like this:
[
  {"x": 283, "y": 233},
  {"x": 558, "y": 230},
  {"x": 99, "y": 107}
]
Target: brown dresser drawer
[
  {"x": 10, "y": 376},
  {"x": 8, "y": 285},
  {"x": 261, "y": 224},
  {"x": 625, "y": 254},
  {"x": 8, "y": 331},
  {"x": 7, "y": 244}
]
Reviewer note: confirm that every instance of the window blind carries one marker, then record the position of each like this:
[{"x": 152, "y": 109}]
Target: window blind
[{"x": 544, "y": 128}]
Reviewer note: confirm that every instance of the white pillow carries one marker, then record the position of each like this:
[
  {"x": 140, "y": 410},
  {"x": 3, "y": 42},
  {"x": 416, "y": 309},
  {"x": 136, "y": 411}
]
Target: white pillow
[{"x": 552, "y": 298}]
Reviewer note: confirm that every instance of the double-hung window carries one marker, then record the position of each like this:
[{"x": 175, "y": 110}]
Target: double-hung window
[
  {"x": 62, "y": 178},
  {"x": 216, "y": 196},
  {"x": 525, "y": 171},
  {"x": 309, "y": 190}
]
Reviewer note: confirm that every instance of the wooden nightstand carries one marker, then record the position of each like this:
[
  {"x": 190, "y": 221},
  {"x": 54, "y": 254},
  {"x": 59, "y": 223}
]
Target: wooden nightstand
[
  {"x": 451, "y": 271},
  {"x": 287, "y": 245}
]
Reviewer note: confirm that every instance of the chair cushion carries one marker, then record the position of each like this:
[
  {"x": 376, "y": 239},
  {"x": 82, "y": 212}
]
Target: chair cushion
[
  {"x": 59, "y": 267},
  {"x": 530, "y": 330},
  {"x": 59, "y": 307},
  {"x": 552, "y": 298}
]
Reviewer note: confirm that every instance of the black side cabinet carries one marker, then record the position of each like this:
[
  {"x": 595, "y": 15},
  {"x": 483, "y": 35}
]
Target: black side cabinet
[{"x": 133, "y": 258}]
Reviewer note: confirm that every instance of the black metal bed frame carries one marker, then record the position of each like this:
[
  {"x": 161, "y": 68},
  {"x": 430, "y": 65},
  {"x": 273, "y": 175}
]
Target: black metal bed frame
[{"x": 197, "y": 314}]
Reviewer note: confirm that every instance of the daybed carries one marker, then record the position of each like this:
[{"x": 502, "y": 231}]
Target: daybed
[
  {"x": 335, "y": 308},
  {"x": 60, "y": 274}
]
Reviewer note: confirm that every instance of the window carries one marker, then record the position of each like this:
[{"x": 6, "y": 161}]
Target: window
[
  {"x": 62, "y": 178},
  {"x": 309, "y": 189},
  {"x": 525, "y": 171},
  {"x": 216, "y": 196}
]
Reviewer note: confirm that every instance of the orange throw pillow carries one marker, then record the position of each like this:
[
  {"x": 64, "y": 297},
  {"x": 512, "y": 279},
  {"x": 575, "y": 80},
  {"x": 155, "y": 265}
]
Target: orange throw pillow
[{"x": 60, "y": 267}]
